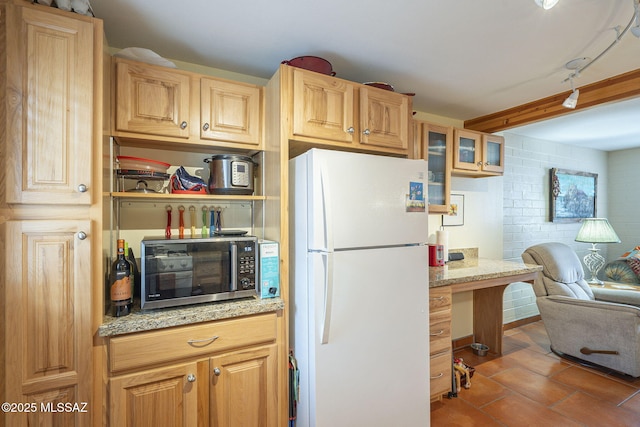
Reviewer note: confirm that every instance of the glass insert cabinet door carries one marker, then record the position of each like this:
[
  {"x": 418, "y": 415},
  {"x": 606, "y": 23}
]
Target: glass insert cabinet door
[
  {"x": 467, "y": 150},
  {"x": 437, "y": 141},
  {"x": 493, "y": 153}
]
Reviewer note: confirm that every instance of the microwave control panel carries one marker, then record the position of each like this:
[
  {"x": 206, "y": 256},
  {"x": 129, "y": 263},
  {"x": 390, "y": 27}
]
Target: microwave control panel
[{"x": 246, "y": 265}]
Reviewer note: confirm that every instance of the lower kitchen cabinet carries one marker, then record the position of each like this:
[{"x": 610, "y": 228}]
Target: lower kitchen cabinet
[
  {"x": 220, "y": 373},
  {"x": 243, "y": 388},
  {"x": 440, "y": 341},
  {"x": 157, "y": 397}
]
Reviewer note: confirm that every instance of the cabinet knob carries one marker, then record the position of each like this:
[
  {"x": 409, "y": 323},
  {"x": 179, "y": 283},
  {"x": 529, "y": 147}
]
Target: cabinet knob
[
  {"x": 82, "y": 188},
  {"x": 205, "y": 126},
  {"x": 191, "y": 378},
  {"x": 479, "y": 163},
  {"x": 82, "y": 235},
  {"x": 367, "y": 132},
  {"x": 183, "y": 125},
  {"x": 216, "y": 372},
  {"x": 351, "y": 130}
]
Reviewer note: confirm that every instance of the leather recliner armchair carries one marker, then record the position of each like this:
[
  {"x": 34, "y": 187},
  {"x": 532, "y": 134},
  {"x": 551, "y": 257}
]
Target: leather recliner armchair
[{"x": 597, "y": 325}]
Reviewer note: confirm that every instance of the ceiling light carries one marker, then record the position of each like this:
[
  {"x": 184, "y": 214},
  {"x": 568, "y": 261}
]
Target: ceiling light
[
  {"x": 572, "y": 99},
  {"x": 546, "y": 4}
]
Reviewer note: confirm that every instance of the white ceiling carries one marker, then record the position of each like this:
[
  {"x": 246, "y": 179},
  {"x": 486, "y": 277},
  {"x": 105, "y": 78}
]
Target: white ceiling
[{"x": 462, "y": 58}]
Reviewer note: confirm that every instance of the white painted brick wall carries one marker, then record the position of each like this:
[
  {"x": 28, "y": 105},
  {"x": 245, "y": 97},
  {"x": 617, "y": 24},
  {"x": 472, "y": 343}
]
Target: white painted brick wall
[{"x": 526, "y": 205}]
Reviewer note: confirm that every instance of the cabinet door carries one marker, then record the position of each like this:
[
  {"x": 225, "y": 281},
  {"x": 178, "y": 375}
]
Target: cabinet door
[
  {"x": 467, "y": 146},
  {"x": 47, "y": 285},
  {"x": 493, "y": 153},
  {"x": 437, "y": 150},
  {"x": 151, "y": 100},
  {"x": 50, "y": 91},
  {"x": 230, "y": 112},
  {"x": 384, "y": 118},
  {"x": 165, "y": 397},
  {"x": 322, "y": 107},
  {"x": 244, "y": 388}
]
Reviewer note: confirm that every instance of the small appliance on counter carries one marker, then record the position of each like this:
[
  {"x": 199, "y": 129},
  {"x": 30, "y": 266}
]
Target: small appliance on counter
[
  {"x": 177, "y": 272},
  {"x": 268, "y": 281},
  {"x": 436, "y": 255}
]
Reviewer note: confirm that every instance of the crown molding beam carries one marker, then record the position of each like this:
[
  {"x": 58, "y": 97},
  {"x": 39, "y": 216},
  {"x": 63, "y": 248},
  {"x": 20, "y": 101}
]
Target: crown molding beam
[{"x": 618, "y": 88}]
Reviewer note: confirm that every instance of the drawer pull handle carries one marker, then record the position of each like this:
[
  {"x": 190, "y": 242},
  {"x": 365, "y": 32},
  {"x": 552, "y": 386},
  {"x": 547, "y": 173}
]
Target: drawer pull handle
[
  {"x": 435, "y": 334},
  {"x": 440, "y": 375},
  {"x": 437, "y": 298},
  {"x": 206, "y": 340}
]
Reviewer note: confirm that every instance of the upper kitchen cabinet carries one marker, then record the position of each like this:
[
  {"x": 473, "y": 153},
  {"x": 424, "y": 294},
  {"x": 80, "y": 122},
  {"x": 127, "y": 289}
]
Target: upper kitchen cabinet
[
  {"x": 176, "y": 107},
  {"x": 230, "y": 111},
  {"x": 152, "y": 100},
  {"x": 49, "y": 93},
  {"x": 477, "y": 154},
  {"x": 329, "y": 111},
  {"x": 435, "y": 147}
]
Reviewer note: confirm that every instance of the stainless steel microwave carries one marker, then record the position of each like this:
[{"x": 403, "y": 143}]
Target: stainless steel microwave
[{"x": 178, "y": 272}]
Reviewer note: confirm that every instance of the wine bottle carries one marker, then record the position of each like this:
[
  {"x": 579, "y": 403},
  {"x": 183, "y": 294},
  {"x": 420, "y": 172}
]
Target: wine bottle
[
  {"x": 120, "y": 284},
  {"x": 135, "y": 271}
]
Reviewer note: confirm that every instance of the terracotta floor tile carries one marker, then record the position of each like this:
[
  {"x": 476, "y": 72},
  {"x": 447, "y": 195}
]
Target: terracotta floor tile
[
  {"x": 483, "y": 390},
  {"x": 592, "y": 411},
  {"x": 518, "y": 411},
  {"x": 633, "y": 403},
  {"x": 595, "y": 384},
  {"x": 543, "y": 364},
  {"x": 534, "y": 386},
  {"x": 458, "y": 413}
]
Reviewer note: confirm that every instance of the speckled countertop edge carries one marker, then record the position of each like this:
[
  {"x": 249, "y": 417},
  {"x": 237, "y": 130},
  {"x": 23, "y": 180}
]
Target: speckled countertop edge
[
  {"x": 476, "y": 269},
  {"x": 164, "y": 318}
]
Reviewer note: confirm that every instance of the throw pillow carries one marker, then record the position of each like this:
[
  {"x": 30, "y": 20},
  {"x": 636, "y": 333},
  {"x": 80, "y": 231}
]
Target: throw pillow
[
  {"x": 634, "y": 263},
  {"x": 621, "y": 272}
]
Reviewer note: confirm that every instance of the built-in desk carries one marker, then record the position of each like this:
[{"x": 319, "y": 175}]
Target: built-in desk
[{"x": 487, "y": 279}]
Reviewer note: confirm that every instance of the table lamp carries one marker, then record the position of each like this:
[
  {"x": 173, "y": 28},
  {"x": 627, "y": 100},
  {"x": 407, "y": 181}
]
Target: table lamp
[{"x": 596, "y": 230}]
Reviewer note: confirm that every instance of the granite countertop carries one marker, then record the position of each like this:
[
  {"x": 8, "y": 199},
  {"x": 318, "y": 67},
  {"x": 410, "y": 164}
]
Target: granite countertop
[
  {"x": 476, "y": 269},
  {"x": 167, "y": 317}
]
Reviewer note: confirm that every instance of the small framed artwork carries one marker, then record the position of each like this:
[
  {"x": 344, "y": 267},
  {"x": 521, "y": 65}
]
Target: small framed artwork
[
  {"x": 573, "y": 195},
  {"x": 455, "y": 215}
]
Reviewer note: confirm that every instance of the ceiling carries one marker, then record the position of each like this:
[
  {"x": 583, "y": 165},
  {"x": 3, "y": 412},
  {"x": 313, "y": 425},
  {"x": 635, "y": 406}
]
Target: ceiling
[{"x": 463, "y": 59}]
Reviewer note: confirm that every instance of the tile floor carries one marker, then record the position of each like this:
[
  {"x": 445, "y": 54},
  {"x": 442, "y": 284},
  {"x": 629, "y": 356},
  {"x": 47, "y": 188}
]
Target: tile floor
[{"x": 531, "y": 386}]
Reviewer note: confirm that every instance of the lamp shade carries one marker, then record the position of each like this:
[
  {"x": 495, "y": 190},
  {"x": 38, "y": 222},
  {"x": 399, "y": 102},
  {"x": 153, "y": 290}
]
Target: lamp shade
[
  {"x": 597, "y": 230},
  {"x": 546, "y": 4}
]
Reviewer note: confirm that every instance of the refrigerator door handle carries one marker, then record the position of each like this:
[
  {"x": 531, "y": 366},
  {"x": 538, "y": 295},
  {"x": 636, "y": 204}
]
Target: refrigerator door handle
[
  {"x": 326, "y": 207},
  {"x": 328, "y": 297}
]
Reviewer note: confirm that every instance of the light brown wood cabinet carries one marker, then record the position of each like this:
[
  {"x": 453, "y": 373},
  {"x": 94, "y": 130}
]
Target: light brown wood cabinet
[
  {"x": 440, "y": 341},
  {"x": 221, "y": 373},
  {"x": 435, "y": 146},
  {"x": 169, "y": 105},
  {"x": 50, "y": 211},
  {"x": 477, "y": 154},
  {"x": 330, "y": 111}
]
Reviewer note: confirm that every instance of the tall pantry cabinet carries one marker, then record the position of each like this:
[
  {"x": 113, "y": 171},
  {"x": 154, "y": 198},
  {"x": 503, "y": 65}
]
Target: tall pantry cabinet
[{"x": 50, "y": 212}]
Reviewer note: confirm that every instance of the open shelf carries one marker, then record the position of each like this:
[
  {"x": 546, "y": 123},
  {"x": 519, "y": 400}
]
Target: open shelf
[{"x": 170, "y": 196}]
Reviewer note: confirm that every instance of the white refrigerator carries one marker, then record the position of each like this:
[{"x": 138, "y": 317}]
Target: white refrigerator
[{"x": 359, "y": 289}]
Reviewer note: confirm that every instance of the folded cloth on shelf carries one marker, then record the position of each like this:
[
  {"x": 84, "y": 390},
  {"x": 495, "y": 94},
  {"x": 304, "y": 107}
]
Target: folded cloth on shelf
[{"x": 182, "y": 181}]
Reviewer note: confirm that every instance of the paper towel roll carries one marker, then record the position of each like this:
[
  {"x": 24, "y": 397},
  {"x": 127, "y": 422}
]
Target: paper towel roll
[{"x": 442, "y": 238}]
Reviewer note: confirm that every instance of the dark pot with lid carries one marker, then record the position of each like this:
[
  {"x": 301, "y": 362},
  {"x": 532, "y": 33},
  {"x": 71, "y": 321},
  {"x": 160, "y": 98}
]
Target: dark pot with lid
[{"x": 230, "y": 174}]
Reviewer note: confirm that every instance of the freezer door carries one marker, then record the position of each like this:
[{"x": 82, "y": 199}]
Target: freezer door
[
  {"x": 367, "y": 363},
  {"x": 360, "y": 200}
]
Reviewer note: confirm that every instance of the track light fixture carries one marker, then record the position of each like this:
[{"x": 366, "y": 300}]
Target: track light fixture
[
  {"x": 546, "y": 4},
  {"x": 572, "y": 100}
]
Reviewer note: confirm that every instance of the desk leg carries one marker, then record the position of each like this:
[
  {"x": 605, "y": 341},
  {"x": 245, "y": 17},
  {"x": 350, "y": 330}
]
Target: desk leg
[{"x": 487, "y": 317}]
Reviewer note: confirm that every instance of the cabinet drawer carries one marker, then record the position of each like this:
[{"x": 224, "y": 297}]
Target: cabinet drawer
[
  {"x": 439, "y": 298},
  {"x": 439, "y": 337},
  {"x": 153, "y": 347},
  {"x": 441, "y": 366}
]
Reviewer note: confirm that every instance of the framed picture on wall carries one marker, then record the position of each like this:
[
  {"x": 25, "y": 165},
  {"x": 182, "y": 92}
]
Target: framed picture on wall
[
  {"x": 455, "y": 215},
  {"x": 573, "y": 195}
]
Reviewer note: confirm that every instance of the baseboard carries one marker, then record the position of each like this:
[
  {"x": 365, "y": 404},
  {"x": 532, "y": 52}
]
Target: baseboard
[
  {"x": 521, "y": 322},
  {"x": 463, "y": 342}
]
